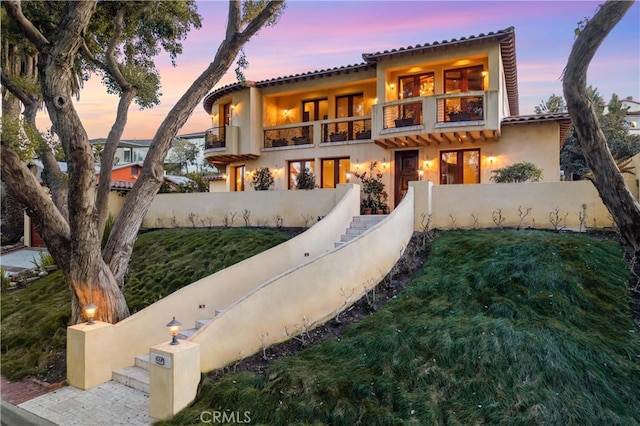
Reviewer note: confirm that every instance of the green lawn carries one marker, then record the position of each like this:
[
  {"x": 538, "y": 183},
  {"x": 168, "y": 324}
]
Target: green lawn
[
  {"x": 34, "y": 319},
  {"x": 499, "y": 327}
]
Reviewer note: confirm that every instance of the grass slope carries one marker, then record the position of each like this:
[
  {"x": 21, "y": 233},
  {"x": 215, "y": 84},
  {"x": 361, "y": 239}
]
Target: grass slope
[
  {"x": 509, "y": 327},
  {"x": 34, "y": 319}
]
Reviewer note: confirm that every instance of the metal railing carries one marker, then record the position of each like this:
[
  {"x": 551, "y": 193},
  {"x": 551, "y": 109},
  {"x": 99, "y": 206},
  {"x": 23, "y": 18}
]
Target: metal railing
[
  {"x": 349, "y": 129},
  {"x": 460, "y": 108},
  {"x": 215, "y": 138},
  {"x": 287, "y": 136},
  {"x": 402, "y": 113}
]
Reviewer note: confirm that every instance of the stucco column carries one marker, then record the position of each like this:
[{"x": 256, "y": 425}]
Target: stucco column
[
  {"x": 174, "y": 375},
  {"x": 89, "y": 353}
]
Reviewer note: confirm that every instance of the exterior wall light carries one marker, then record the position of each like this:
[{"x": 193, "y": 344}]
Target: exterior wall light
[
  {"x": 174, "y": 328},
  {"x": 89, "y": 312},
  {"x": 286, "y": 112}
]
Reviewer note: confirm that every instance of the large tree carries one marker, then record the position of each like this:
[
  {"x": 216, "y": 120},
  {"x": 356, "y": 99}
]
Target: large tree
[
  {"x": 607, "y": 178},
  {"x": 118, "y": 41}
]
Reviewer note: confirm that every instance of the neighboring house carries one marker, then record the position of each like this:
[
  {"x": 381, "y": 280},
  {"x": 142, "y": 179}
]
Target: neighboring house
[
  {"x": 445, "y": 112},
  {"x": 123, "y": 177},
  {"x": 135, "y": 150},
  {"x": 633, "y": 115}
]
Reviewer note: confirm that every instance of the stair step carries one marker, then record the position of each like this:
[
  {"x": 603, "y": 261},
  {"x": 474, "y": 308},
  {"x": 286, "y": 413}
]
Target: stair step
[
  {"x": 134, "y": 377},
  {"x": 202, "y": 322},
  {"x": 186, "y": 333},
  {"x": 142, "y": 361}
]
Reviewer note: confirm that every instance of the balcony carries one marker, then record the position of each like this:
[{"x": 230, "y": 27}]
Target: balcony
[
  {"x": 326, "y": 131},
  {"x": 215, "y": 138},
  {"x": 440, "y": 119}
]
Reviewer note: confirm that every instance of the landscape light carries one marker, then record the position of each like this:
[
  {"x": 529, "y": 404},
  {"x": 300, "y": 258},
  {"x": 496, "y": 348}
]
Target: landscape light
[{"x": 174, "y": 328}]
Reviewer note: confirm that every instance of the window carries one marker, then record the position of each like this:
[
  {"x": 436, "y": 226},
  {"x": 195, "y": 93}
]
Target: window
[
  {"x": 313, "y": 110},
  {"x": 346, "y": 106},
  {"x": 295, "y": 167},
  {"x": 412, "y": 86},
  {"x": 464, "y": 79},
  {"x": 461, "y": 166},
  {"x": 239, "y": 172},
  {"x": 334, "y": 171},
  {"x": 350, "y": 106}
]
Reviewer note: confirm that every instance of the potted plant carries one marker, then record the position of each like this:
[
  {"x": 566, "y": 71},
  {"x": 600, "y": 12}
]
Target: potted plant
[
  {"x": 306, "y": 179},
  {"x": 456, "y": 114},
  {"x": 372, "y": 187},
  {"x": 279, "y": 142},
  {"x": 262, "y": 179},
  {"x": 381, "y": 203},
  {"x": 404, "y": 122},
  {"x": 363, "y": 134},
  {"x": 300, "y": 140},
  {"x": 338, "y": 136},
  {"x": 366, "y": 205}
]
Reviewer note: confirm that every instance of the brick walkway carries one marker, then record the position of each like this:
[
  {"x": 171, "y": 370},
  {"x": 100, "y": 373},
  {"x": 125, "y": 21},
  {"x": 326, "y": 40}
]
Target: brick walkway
[{"x": 21, "y": 391}]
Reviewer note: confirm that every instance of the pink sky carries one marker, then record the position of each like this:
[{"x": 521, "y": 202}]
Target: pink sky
[{"x": 313, "y": 35}]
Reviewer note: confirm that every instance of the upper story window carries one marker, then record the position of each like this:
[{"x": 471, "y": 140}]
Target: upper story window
[
  {"x": 464, "y": 79},
  {"x": 314, "y": 110},
  {"x": 412, "y": 86},
  {"x": 350, "y": 105}
]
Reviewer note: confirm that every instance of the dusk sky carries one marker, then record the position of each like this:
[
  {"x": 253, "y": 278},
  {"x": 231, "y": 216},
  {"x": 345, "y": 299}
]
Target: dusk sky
[{"x": 314, "y": 35}]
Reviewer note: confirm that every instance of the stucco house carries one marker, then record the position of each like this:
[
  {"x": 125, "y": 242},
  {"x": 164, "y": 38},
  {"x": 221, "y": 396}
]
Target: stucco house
[{"x": 446, "y": 112}]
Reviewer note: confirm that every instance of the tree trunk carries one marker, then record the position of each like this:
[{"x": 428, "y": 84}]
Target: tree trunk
[
  {"x": 75, "y": 241},
  {"x": 608, "y": 180}
]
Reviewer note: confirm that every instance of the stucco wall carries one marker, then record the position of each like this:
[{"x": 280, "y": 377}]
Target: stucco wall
[
  {"x": 308, "y": 295},
  {"x": 264, "y": 208},
  {"x": 455, "y": 206}
]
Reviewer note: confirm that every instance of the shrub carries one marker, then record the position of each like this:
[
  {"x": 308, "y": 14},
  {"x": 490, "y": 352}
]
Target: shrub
[
  {"x": 306, "y": 179},
  {"x": 517, "y": 172},
  {"x": 262, "y": 179}
]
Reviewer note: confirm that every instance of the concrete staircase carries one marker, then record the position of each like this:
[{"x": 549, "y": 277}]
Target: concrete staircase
[
  {"x": 136, "y": 376},
  {"x": 359, "y": 225}
]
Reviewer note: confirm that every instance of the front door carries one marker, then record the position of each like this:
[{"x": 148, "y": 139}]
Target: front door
[{"x": 406, "y": 171}]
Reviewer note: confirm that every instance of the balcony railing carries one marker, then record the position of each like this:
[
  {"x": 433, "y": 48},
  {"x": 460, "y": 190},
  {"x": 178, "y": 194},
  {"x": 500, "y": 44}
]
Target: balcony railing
[
  {"x": 349, "y": 129},
  {"x": 287, "y": 136},
  {"x": 460, "y": 108},
  {"x": 215, "y": 138},
  {"x": 406, "y": 112}
]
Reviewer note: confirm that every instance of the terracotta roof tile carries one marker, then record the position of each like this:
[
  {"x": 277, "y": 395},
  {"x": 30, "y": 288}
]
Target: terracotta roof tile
[{"x": 506, "y": 38}]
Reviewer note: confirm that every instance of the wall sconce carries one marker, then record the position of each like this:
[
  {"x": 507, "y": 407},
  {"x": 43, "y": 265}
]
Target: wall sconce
[
  {"x": 420, "y": 174},
  {"x": 384, "y": 163},
  {"x": 392, "y": 86},
  {"x": 426, "y": 165},
  {"x": 89, "y": 312},
  {"x": 286, "y": 112},
  {"x": 491, "y": 160},
  {"x": 357, "y": 165},
  {"x": 174, "y": 328}
]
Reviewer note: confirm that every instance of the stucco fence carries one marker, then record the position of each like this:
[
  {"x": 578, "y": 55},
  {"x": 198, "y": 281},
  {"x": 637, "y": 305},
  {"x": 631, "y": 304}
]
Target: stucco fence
[
  {"x": 247, "y": 208},
  {"x": 543, "y": 205}
]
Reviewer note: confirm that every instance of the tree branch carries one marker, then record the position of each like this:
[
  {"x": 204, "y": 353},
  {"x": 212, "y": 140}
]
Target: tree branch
[
  {"x": 137, "y": 203},
  {"x": 14, "y": 9}
]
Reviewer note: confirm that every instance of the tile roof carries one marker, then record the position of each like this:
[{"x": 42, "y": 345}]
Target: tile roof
[{"x": 506, "y": 38}]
